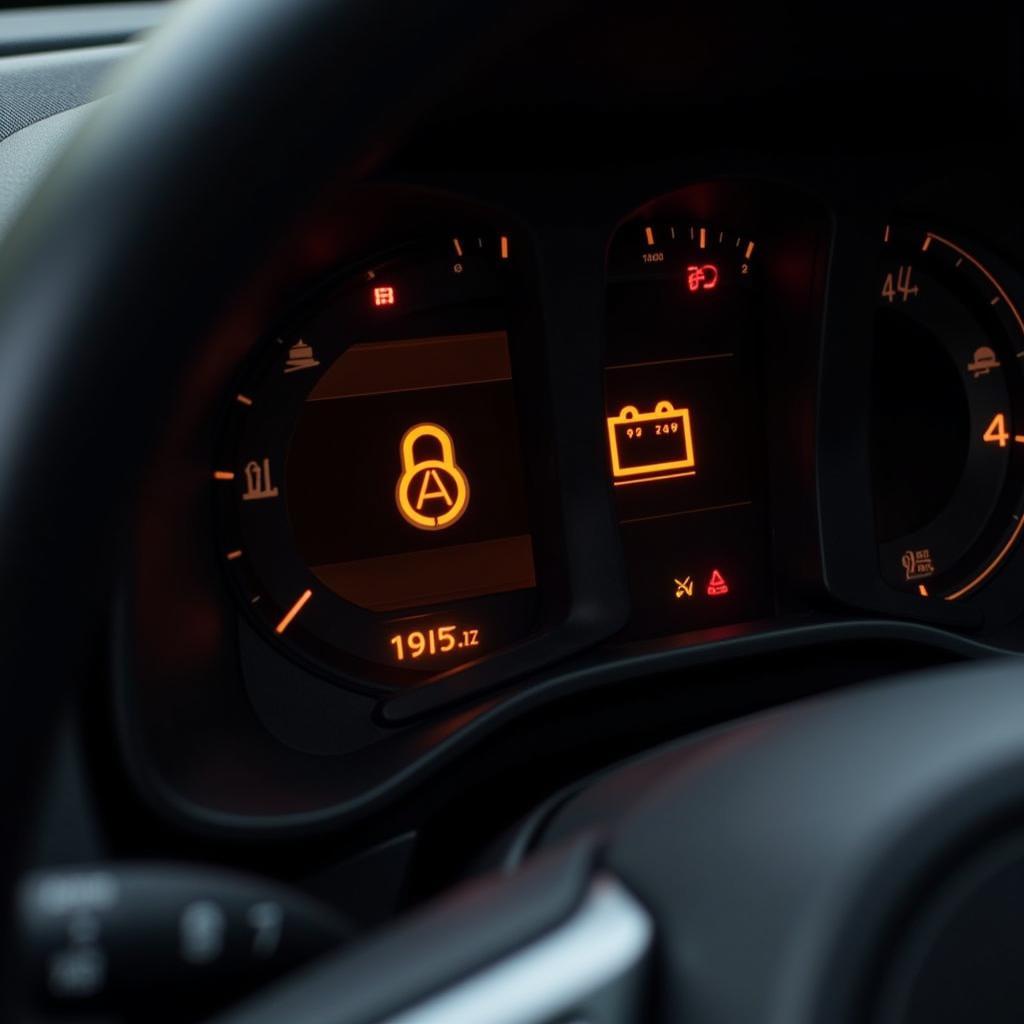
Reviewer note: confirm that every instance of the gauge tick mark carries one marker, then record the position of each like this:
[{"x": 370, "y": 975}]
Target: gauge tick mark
[{"x": 293, "y": 611}]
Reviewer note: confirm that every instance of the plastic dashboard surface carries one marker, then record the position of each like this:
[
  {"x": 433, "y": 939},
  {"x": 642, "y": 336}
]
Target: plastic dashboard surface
[{"x": 455, "y": 460}]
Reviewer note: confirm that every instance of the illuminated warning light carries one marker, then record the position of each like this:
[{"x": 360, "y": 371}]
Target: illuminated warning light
[
  {"x": 702, "y": 278},
  {"x": 717, "y": 585},
  {"x": 648, "y": 446},
  {"x": 384, "y": 295},
  {"x": 432, "y": 493}
]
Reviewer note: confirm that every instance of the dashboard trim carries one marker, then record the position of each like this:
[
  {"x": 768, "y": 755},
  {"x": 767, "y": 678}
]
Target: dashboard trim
[{"x": 476, "y": 724}]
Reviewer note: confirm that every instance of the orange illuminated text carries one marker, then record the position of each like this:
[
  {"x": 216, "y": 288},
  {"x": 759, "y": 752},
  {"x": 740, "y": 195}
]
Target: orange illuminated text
[{"x": 438, "y": 640}]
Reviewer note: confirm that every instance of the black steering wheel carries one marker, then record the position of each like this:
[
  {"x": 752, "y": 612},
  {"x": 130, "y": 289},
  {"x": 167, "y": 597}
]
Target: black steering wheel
[{"x": 825, "y": 862}]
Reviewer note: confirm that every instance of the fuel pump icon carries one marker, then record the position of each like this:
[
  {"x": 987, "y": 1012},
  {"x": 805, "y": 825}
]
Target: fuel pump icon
[{"x": 432, "y": 492}]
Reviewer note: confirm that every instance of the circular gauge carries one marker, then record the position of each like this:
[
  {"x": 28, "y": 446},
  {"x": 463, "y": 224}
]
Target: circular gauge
[
  {"x": 947, "y": 438},
  {"x": 375, "y": 505}
]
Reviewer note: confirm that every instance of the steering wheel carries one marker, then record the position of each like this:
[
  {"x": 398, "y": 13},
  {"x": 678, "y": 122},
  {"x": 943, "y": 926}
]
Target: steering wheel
[{"x": 825, "y": 862}]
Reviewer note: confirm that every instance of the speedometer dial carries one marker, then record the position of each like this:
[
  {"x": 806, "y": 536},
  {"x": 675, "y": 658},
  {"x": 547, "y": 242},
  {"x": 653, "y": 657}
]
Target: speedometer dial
[
  {"x": 947, "y": 425},
  {"x": 376, "y": 507}
]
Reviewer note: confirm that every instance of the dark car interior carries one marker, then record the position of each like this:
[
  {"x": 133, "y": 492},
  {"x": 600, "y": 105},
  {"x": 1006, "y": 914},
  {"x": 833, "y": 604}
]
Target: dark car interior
[{"x": 511, "y": 513}]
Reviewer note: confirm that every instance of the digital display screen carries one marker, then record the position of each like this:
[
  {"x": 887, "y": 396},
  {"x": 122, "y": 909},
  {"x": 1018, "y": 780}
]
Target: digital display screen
[
  {"x": 405, "y": 480},
  {"x": 679, "y": 434},
  {"x": 685, "y": 431}
]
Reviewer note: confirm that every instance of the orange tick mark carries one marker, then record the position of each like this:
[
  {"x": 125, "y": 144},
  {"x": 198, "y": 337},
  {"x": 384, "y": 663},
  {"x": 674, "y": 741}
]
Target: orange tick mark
[{"x": 293, "y": 611}]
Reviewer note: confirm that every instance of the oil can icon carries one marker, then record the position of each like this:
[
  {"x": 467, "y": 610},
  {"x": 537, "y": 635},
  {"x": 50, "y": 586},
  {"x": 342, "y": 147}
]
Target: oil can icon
[
  {"x": 433, "y": 492},
  {"x": 654, "y": 445}
]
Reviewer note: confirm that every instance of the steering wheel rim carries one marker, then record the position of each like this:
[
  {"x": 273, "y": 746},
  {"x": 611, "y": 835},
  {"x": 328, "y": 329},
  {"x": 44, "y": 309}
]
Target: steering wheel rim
[{"x": 231, "y": 118}]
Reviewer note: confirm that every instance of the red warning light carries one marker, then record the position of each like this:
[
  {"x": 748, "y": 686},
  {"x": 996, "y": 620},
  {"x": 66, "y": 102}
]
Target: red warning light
[
  {"x": 702, "y": 278},
  {"x": 717, "y": 585},
  {"x": 384, "y": 296}
]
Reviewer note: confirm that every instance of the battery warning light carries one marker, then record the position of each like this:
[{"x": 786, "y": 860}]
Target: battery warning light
[
  {"x": 717, "y": 585},
  {"x": 702, "y": 278},
  {"x": 384, "y": 295},
  {"x": 651, "y": 446}
]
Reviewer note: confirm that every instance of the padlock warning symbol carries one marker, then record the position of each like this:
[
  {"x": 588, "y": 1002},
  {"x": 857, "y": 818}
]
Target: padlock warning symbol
[{"x": 432, "y": 492}]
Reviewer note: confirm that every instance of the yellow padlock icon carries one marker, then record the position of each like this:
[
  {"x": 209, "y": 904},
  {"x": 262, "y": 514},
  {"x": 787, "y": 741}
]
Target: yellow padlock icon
[{"x": 432, "y": 494}]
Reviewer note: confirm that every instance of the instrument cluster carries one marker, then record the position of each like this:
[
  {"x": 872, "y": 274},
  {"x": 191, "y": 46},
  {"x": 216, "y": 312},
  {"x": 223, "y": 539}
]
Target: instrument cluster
[
  {"x": 383, "y": 487},
  {"x": 477, "y": 461}
]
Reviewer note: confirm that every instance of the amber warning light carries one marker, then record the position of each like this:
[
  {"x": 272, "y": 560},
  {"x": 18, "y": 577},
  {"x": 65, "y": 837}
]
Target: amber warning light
[
  {"x": 384, "y": 295},
  {"x": 432, "y": 493},
  {"x": 648, "y": 446}
]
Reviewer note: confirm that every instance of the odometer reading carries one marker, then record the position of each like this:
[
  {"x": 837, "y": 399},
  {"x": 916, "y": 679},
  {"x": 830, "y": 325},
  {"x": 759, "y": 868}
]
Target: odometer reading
[{"x": 418, "y": 643}]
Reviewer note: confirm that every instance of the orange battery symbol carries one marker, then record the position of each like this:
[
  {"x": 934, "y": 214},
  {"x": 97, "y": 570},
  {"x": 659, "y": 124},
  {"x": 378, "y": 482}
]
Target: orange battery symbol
[{"x": 648, "y": 446}]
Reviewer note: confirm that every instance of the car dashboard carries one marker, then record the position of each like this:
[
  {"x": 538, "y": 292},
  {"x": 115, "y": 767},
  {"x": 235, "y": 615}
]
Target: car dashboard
[{"x": 632, "y": 395}]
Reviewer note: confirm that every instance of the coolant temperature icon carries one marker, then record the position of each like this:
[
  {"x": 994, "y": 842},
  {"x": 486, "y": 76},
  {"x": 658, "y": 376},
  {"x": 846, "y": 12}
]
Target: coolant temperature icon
[{"x": 432, "y": 492}]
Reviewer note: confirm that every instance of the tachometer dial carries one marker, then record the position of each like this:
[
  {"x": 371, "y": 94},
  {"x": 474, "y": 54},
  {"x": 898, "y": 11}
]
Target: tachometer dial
[{"x": 947, "y": 417}]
